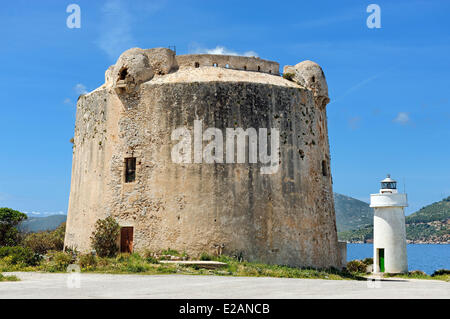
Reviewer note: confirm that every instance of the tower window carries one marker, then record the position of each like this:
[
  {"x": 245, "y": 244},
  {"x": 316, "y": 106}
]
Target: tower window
[
  {"x": 130, "y": 169},
  {"x": 197, "y": 64},
  {"x": 123, "y": 74},
  {"x": 324, "y": 168}
]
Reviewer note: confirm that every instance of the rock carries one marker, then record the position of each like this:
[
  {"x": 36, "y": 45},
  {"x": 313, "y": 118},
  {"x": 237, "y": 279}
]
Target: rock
[
  {"x": 162, "y": 60},
  {"x": 417, "y": 272},
  {"x": 310, "y": 75},
  {"x": 132, "y": 68}
]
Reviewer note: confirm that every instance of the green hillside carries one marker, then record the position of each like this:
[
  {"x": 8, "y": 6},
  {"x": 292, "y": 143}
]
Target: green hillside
[
  {"x": 435, "y": 212},
  {"x": 351, "y": 213},
  {"x": 430, "y": 224},
  {"x": 35, "y": 224}
]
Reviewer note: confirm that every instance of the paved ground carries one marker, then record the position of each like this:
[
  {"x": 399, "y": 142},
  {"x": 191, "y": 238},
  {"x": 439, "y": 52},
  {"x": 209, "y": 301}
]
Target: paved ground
[{"x": 54, "y": 286}]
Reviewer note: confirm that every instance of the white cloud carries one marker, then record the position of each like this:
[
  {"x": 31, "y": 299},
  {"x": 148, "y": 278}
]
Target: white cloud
[
  {"x": 67, "y": 101},
  {"x": 222, "y": 50},
  {"x": 32, "y": 213},
  {"x": 115, "y": 28},
  {"x": 402, "y": 118},
  {"x": 80, "y": 89}
]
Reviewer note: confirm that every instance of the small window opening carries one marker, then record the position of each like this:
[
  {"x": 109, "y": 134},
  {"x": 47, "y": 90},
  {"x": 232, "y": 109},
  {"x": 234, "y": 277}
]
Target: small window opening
[
  {"x": 324, "y": 168},
  {"x": 227, "y": 66},
  {"x": 313, "y": 79},
  {"x": 197, "y": 65},
  {"x": 259, "y": 68},
  {"x": 130, "y": 169},
  {"x": 245, "y": 67},
  {"x": 270, "y": 71},
  {"x": 214, "y": 64},
  {"x": 123, "y": 74}
]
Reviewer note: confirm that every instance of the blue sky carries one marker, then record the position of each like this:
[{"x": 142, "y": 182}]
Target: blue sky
[{"x": 389, "y": 87}]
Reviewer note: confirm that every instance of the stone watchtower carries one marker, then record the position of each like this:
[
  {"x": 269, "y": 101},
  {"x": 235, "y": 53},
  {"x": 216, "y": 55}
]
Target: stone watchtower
[
  {"x": 389, "y": 232},
  {"x": 207, "y": 153}
]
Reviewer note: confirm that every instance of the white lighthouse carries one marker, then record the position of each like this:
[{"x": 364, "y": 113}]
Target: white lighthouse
[{"x": 389, "y": 231}]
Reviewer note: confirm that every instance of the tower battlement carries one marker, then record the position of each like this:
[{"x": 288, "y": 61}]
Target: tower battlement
[{"x": 242, "y": 63}]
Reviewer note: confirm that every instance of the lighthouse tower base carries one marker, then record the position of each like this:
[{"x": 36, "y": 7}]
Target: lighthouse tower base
[
  {"x": 389, "y": 230},
  {"x": 389, "y": 238}
]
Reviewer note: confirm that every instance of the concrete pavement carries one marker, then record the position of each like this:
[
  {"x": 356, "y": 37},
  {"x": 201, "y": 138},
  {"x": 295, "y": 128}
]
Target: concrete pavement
[{"x": 55, "y": 286}]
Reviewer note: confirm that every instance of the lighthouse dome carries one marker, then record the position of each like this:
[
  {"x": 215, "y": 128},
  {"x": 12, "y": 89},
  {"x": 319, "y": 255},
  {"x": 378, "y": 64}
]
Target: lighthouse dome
[{"x": 388, "y": 184}]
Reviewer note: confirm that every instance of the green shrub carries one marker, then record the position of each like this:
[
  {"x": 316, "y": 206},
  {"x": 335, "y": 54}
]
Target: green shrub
[
  {"x": 58, "y": 261},
  {"x": 441, "y": 272},
  {"x": 42, "y": 242},
  {"x": 151, "y": 260},
  {"x": 166, "y": 269},
  {"x": 149, "y": 257},
  {"x": 417, "y": 273},
  {"x": 104, "y": 238},
  {"x": 171, "y": 252},
  {"x": 205, "y": 256},
  {"x": 367, "y": 261},
  {"x": 9, "y": 219},
  {"x": 131, "y": 263},
  {"x": 19, "y": 255},
  {"x": 87, "y": 261},
  {"x": 356, "y": 266},
  {"x": 8, "y": 278},
  {"x": 137, "y": 267},
  {"x": 289, "y": 76},
  {"x": 123, "y": 257}
]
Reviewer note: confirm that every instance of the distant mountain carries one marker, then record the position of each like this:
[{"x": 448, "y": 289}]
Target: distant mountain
[
  {"x": 36, "y": 224},
  {"x": 351, "y": 213},
  {"x": 430, "y": 224}
]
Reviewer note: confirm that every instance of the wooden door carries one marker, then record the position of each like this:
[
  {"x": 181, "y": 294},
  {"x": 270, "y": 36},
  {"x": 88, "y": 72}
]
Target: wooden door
[{"x": 126, "y": 240}]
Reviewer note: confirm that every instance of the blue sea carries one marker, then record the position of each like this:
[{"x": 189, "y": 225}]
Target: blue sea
[{"x": 425, "y": 257}]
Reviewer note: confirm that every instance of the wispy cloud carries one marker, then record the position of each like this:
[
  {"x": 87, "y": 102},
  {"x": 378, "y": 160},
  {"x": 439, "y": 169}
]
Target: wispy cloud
[
  {"x": 356, "y": 87},
  {"x": 222, "y": 50},
  {"x": 115, "y": 28},
  {"x": 402, "y": 118},
  {"x": 118, "y": 17},
  {"x": 80, "y": 89}
]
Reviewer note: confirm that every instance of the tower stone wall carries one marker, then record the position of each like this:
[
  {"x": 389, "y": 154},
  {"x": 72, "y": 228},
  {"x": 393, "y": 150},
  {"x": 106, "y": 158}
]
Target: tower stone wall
[{"x": 285, "y": 216}]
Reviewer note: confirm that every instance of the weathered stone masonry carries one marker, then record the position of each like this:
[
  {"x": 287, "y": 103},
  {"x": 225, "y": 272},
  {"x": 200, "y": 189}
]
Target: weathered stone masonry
[{"x": 284, "y": 218}]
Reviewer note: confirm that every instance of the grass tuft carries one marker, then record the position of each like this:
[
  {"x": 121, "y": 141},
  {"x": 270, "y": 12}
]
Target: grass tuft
[{"x": 8, "y": 278}]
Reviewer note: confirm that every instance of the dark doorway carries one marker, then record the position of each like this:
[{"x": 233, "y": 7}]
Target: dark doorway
[{"x": 126, "y": 240}]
